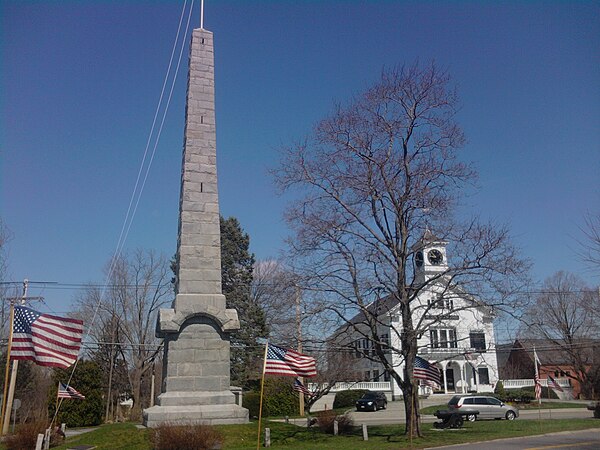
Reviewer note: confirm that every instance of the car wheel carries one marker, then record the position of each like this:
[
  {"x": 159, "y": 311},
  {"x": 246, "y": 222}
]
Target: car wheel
[
  {"x": 384, "y": 405},
  {"x": 510, "y": 415},
  {"x": 471, "y": 417},
  {"x": 375, "y": 408}
]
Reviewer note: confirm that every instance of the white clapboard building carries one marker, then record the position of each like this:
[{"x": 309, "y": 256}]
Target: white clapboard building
[{"x": 458, "y": 337}]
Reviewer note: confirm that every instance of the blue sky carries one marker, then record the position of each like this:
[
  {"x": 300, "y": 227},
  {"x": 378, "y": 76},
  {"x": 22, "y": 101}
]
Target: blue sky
[{"x": 79, "y": 83}]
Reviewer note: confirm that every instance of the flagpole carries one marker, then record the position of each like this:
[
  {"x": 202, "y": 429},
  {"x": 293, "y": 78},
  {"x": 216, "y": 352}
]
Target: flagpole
[
  {"x": 549, "y": 405},
  {"x": 299, "y": 327},
  {"x": 538, "y": 381},
  {"x": 262, "y": 387},
  {"x": 6, "y": 382}
]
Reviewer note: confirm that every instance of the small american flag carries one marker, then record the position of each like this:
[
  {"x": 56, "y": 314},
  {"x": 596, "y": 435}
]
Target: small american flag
[
  {"x": 66, "y": 391},
  {"x": 47, "y": 340},
  {"x": 298, "y": 386},
  {"x": 281, "y": 361},
  {"x": 538, "y": 383},
  {"x": 553, "y": 384},
  {"x": 425, "y": 371}
]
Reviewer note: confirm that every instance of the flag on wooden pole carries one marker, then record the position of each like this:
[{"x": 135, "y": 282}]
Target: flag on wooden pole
[
  {"x": 280, "y": 361},
  {"x": 538, "y": 383},
  {"x": 66, "y": 391},
  {"x": 48, "y": 340},
  {"x": 298, "y": 386}
]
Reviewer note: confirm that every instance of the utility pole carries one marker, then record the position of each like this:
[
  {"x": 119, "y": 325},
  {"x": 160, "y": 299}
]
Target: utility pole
[{"x": 299, "y": 331}]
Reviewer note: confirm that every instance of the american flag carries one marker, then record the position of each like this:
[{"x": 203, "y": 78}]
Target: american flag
[
  {"x": 538, "y": 387},
  {"x": 425, "y": 371},
  {"x": 553, "y": 384},
  {"x": 66, "y": 391},
  {"x": 298, "y": 386},
  {"x": 47, "y": 340},
  {"x": 538, "y": 383},
  {"x": 281, "y": 361}
]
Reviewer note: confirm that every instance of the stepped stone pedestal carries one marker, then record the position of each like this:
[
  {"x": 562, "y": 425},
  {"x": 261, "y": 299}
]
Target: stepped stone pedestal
[{"x": 196, "y": 367}]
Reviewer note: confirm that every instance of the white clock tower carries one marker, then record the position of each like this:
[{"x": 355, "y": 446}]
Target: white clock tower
[{"x": 430, "y": 257}]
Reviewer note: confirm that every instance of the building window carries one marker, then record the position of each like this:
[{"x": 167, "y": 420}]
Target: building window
[
  {"x": 385, "y": 341},
  {"x": 441, "y": 303},
  {"x": 477, "y": 339},
  {"x": 386, "y": 376},
  {"x": 443, "y": 338},
  {"x": 367, "y": 375},
  {"x": 484, "y": 375},
  {"x": 376, "y": 375}
]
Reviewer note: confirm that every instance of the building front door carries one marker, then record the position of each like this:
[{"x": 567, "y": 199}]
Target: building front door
[{"x": 450, "y": 379}]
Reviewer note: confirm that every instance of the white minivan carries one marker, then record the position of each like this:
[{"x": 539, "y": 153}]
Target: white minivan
[{"x": 488, "y": 407}]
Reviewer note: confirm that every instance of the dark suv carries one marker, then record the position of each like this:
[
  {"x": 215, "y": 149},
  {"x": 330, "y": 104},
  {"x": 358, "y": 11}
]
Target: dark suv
[{"x": 371, "y": 401}]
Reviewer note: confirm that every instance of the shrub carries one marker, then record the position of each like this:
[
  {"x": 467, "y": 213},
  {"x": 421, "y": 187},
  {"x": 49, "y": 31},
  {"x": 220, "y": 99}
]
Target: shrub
[
  {"x": 526, "y": 395},
  {"x": 499, "y": 391},
  {"x": 326, "y": 418},
  {"x": 346, "y": 399},
  {"x": 597, "y": 410},
  {"x": 278, "y": 400},
  {"x": 26, "y": 435},
  {"x": 185, "y": 437}
]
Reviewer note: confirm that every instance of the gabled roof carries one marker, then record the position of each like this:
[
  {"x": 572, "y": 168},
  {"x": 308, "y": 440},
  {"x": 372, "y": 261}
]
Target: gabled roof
[
  {"x": 378, "y": 307},
  {"x": 551, "y": 354}
]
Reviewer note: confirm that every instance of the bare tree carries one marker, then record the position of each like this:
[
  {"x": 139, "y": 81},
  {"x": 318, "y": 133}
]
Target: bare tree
[
  {"x": 589, "y": 246},
  {"x": 5, "y": 287},
  {"x": 369, "y": 182},
  {"x": 139, "y": 285},
  {"x": 564, "y": 315},
  {"x": 274, "y": 290}
]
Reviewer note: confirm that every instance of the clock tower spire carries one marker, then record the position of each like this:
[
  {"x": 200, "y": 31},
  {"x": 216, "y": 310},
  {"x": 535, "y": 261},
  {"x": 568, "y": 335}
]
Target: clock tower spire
[{"x": 430, "y": 257}]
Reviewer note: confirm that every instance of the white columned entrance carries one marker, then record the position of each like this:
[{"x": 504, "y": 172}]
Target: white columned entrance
[{"x": 444, "y": 364}]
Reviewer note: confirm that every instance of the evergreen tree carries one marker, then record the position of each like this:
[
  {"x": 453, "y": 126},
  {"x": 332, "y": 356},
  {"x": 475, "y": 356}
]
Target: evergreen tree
[
  {"x": 236, "y": 270},
  {"x": 87, "y": 379}
]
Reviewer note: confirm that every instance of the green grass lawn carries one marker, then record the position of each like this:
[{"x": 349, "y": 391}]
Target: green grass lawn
[{"x": 127, "y": 436}]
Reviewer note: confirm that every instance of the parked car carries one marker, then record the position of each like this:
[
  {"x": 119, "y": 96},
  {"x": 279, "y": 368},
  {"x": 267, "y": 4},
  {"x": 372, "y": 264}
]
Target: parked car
[
  {"x": 488, "y": 407},
  {"x": 371, "y": 401}
]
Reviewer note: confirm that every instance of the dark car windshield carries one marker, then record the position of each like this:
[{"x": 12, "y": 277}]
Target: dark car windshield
[{"x": 370, "y": 395}]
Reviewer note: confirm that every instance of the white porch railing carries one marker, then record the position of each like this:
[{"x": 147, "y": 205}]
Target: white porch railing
[
  {"x": 525, "y": 382},
  {"x": 370, "y": 385}
]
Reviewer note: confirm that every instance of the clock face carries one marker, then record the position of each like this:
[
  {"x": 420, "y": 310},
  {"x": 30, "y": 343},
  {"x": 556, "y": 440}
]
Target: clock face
[
  {"x": 435, "y": 257},
  {"x": 419, "y": 259}
]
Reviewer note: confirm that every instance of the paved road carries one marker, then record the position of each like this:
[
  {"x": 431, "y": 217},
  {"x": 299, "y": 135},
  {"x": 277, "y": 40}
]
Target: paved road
[{"x": 572, "y": 440}]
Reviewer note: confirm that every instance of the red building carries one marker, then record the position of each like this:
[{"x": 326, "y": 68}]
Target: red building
[{"x": 564, "y": 364}]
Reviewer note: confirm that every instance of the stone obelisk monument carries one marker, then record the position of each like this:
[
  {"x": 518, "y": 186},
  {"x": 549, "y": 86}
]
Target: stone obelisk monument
[{"x": 196, "y": 329}]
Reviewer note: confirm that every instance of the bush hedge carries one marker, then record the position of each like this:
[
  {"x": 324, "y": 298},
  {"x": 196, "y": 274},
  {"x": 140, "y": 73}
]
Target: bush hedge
[
  {"x": 347, "y": 399},
  {"x": 278, "y": 399},
  {"x": 524, "y": 395},
  {"x": 185, "y": 437},
  {"x": 325, "y": 420}
]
